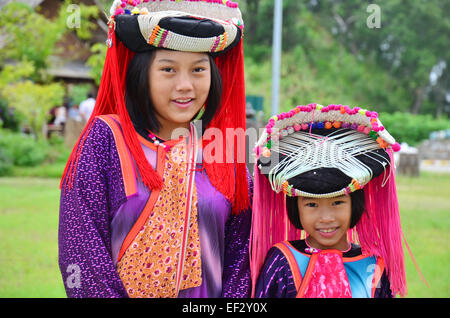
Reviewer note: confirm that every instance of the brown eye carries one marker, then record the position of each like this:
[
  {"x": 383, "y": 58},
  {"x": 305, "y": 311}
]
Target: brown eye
[{"x": 167, "y": 69}]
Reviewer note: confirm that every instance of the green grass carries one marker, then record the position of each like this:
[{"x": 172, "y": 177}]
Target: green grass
[
  {"x": 29, "y": 232},
  {"x": 28, "y": 238},
  {"x": 46, "y": 170},
  {"x": 425, "y": 213}
]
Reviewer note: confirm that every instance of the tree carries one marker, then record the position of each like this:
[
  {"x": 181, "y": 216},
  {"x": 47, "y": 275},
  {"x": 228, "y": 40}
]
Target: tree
[
  {"x": 96, "y": 61},
  {"x": 30, "y": 100},
  {"x": 30, "y": 39},
  {"x": 411, "y": 40},
  {"x": 29, "y": 36},
  {"x": 410, "y": 46}
]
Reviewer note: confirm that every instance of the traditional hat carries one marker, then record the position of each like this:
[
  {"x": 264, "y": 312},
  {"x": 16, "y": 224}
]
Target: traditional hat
[
  {"x": 192, "y": 26},
  {"x": 329, "y": 151},
  {"x": 210, "y": 26}
]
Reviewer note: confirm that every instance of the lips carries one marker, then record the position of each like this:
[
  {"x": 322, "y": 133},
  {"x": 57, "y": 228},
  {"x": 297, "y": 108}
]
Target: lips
[
  {"x": 327, "y": 232},
  {"x": 183, "y": 102}
]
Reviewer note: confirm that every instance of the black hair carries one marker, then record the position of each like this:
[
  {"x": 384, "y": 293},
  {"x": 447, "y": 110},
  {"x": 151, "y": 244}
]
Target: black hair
[
  {"x": 358, "y": 206},
  {"x": 137, "y": 93}
]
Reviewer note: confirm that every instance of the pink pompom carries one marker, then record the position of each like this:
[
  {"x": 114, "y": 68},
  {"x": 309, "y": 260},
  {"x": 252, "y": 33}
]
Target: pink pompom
[
  {"x": 396, "y": 147},
  {"x": 118, "y": 11}
]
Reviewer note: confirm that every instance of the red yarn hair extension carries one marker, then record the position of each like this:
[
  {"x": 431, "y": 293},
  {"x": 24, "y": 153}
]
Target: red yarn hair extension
[
  {"x": 110, "y": 100},
  {"x": 231, "y": 178}
]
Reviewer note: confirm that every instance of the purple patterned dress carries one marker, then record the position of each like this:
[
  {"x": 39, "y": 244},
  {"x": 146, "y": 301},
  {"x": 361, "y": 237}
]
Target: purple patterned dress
[{"x": 96, "y": 215}]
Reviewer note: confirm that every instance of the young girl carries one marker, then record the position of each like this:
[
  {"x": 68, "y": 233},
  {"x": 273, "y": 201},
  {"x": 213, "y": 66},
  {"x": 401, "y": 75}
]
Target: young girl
[
  {"x": 329, "y": 172},
  {"x": 144, "y": 212}
]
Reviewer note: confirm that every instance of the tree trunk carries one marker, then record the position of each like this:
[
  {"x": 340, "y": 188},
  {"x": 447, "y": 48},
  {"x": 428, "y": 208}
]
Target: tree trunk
[{"x": 418, "y": 100}]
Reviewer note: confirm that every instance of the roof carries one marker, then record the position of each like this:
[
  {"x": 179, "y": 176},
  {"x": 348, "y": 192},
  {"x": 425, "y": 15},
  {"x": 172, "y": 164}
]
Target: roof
[{"x": 69, "y": 69}]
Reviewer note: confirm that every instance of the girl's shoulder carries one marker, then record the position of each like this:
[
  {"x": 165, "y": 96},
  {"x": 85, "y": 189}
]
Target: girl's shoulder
[
  {"x": 105, "y": 133},
  {"x": 99, "y": 130}
]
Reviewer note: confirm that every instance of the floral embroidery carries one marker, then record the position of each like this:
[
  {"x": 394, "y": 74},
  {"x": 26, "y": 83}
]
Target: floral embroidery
[{"x": 148, "y": 267}]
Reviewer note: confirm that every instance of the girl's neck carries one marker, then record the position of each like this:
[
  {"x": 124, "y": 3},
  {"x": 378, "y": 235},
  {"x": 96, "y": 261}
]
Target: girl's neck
[{"x": 174, "y": 132}]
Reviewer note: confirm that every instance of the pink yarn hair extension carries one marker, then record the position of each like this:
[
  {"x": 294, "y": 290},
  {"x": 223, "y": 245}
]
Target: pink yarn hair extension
[
  {"x": 379, "y": 230},
  {"x": 270, "y": 223}
]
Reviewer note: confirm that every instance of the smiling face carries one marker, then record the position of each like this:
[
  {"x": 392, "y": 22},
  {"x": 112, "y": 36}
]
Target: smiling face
[
  {"x": 179, "y": 87},
  {"x": 326, "y": 220}
]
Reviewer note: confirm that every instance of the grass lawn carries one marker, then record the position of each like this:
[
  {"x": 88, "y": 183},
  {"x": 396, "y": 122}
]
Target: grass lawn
[
  {"x": 28, "y": 238},
  {"x": 425, "y": 214},
  {"x": 29, "y": 233}
]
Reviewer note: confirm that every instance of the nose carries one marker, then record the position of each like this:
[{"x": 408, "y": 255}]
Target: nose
[
  {"x": 184, "y": 82},
  {"x": 326, "y": 215}
]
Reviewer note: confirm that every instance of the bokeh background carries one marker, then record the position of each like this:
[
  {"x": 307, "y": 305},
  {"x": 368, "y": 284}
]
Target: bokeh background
[{"x": 389, "y": 56}]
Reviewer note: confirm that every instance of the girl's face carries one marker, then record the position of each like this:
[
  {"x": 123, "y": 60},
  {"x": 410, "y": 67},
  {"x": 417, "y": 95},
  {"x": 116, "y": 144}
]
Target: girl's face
[
  {"x": 179, "y": 87},
  {"x": 326, "y": 220}
]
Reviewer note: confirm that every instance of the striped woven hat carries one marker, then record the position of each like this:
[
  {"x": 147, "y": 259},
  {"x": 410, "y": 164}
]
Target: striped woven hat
[{"x": 212, "y": 26}]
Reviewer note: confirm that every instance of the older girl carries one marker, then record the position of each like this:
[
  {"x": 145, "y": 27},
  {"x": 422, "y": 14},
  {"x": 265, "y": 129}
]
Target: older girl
[{"x": 143, "y": 212}]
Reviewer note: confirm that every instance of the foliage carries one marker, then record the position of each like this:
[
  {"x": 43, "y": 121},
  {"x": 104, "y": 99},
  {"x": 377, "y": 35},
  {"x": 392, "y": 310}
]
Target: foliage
[
  {"x": 403, "y": 65},
  {"x": 34, "y": 101},
  {"x": 24, "y": 86},
  {"x": 31, "y": 101},
  {"x": 7, "y": 116},
  {"x": 21, "y": 155},
  {"x": 5, "y": 162},
  {"x": 22, "y": 150},
  {"x": 329, "y": 74},
  {"x": 79, "y": 17},
  {"x": 14, "y": 73},
  {"x": 79, "y": 93},
  {"x": 20, "y": 23},
  {"x": 410, "y": 128},
  {"x": 96, "y": 61}
]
